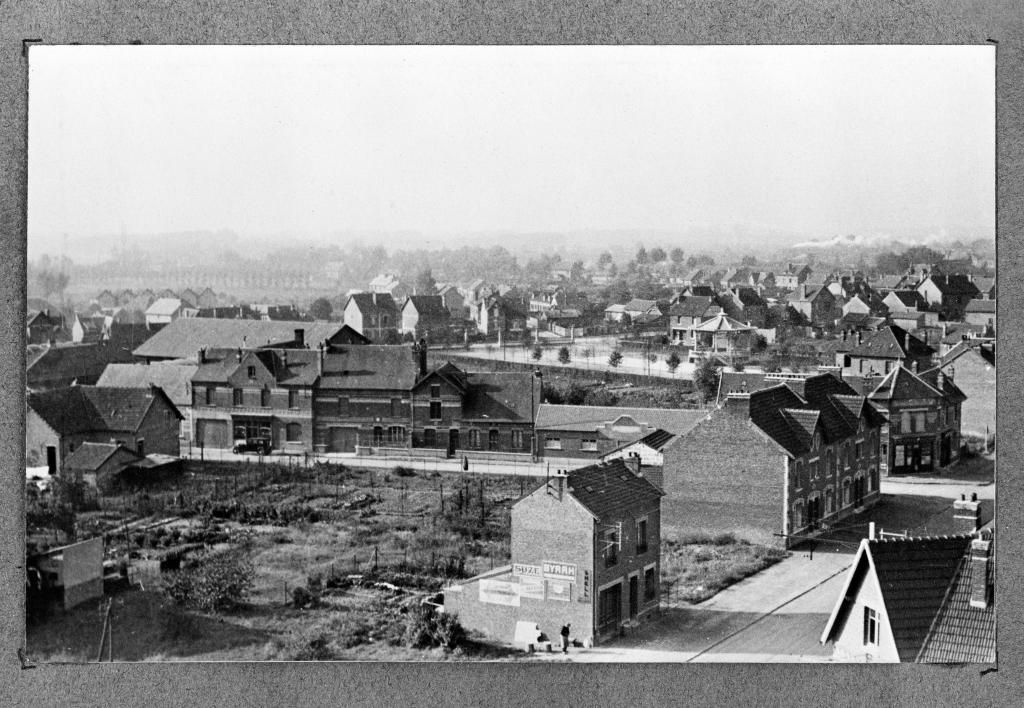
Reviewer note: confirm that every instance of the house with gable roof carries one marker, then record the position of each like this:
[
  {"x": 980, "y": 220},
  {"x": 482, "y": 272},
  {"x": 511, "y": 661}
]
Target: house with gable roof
[
  {"x": 816, "y": 303},
  {"x": 586, "y": 551},
  {"x": 459, "y": 410},
  {"x": 690, "y": 311},
  {"x": 917, "y": 600},
  {"x": 60, "y": 420},
  {"x": 922, "y": 410},
  {"x": 239, "y": 394},
  {"x": 425, "y": 317},
  {"x": 374, "y": 315},
  {"x": 776, "y": 464},
  {"x": 949, "y": 294},
  {"x": 880, "y": 352}
]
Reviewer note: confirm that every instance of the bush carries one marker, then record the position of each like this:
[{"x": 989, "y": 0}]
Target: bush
[
  {"x": 615, "y": 358},
  {"x": 217, "y": 582},
  {"x": 405, "y": 471},
  {"x": 673, "y": 361},
  {"x": 537, "y": 353},
  {"x": 563, "y": 356},
  {"x": 317, "y": 649},
  {"x": 426, "y": 628}
]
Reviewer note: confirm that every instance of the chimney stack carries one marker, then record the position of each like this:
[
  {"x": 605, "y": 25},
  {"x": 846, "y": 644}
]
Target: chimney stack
[
  {"x": 238, "y": 355},
  {"x": 300, "y": 338},
  {"x": 636, "y": 467},
  {"x": 320, "y": 360},
  {"x": 913, "y": 366},
  {"x": 967, "y": 514},
  {"x": 423, "y": 357},
  {"x": 981, "y": 557},
  {"x": 201, "y": 356},
  {"x": 906, "y": 341}
]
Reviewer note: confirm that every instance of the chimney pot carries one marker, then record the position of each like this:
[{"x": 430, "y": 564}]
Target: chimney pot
[
  {"x": 300, "y": 337},
  {"x": 967, "y": 515}
]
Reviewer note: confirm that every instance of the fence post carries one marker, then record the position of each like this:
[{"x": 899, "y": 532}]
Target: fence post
[{"x": 376, "y": 550}]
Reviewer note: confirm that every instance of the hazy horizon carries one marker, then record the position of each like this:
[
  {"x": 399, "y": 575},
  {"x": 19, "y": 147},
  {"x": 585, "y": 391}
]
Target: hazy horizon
[{"x": 437, "y": 144}]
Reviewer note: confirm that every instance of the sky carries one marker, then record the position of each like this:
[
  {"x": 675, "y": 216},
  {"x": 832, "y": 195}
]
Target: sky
[{"x": 812, "y": 140}]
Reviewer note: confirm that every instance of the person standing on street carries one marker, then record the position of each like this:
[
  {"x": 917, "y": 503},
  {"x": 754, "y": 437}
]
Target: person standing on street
[{"x": 565, "y": 638}]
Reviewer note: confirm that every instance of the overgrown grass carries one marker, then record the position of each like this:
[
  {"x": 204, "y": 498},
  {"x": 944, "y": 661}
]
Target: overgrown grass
[{"x": 696, "y": 566}]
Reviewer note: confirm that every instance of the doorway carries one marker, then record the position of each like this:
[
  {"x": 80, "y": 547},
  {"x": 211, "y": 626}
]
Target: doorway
[{"x": 634, "y": 596}]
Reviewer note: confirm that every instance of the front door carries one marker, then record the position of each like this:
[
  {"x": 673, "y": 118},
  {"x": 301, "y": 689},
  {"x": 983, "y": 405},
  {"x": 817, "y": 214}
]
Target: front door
[
  {"x": 634, "y": 596},
  {"x": 944, "y": 451},
  {"x": 342, "y": 440},
  {"x": 453, "y": 441}
]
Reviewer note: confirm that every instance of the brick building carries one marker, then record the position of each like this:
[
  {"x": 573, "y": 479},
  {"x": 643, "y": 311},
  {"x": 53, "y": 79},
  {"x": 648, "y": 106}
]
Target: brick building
[
  {"x": 425, "y": 316},
  {"x": 143, "y": 419},
  {"x": 923, "y": 420},
  {"x": 775, "y": 464},
  {"x": 239, "y": 394},
  {"x": 586, "y": 550},
  {"x": 459, "y": 410}
]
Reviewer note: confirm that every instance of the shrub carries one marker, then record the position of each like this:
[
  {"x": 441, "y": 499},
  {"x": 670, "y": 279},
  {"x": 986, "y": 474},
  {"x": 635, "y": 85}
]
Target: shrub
[
  {"x": 563, "y": 356},
  {"x": 217, "y": 582},
  {"x": 673, "y": 361},
  {"x": 405, "y": 471},
  {"x": 426, "y": 628},
  {"x": 537, "y": 353},
  {"x": 317, "y": 649}
]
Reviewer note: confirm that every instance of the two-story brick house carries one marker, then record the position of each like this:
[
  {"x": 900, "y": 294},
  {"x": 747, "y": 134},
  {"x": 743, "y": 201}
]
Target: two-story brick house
[
  {"x": 460, "y": 410},
  {"x": 949, "y": 294},
  {"x": 689, "y": 311},
  {"x": 773, "y": 465},
  {"x": 586, "y": 551},
  {"x": 363, "y": 397},
  {"x": 923, "y": 413},
  {"x": 816, "y": 303},
  {"x": 239, "y": 394}
]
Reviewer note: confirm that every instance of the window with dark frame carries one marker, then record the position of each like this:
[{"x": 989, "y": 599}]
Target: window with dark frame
[
  {"x": 293, "y": 399},
  {"x": 641, "y": 536},
  {"x": 435, "y": 410},
  {"x": 870, "y": 626},
  {"x": 209, "y": 395},
  {"x": 265, "y": 397},
  {"x": 236, "y": 396},
  {"x": 251, "y": 372}
]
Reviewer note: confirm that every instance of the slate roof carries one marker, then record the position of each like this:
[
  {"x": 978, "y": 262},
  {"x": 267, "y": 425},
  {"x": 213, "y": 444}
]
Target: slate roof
[
  {"x": 891, "y": 343},
  {"x": 367, "y": 303},
  {"x": 911, "y": 298},
  {"x": 370, "y": 366},
  {"x": 806, "y": 293},
  {"x": 749, "y": 297},
  {"x": 185, "y": 336},
  {"x": 693, "y": 306},
  {"x": 983, "y": 306},
  {"x": 985, "y": 352},
  {"x": 587, "y": 418},
  {"x": 913, "y": 575},
  {"x": 69, "y": 362},
  {"x": 960, "y": 633},
  {"x": 500, "y": 396},
  {"x": 80, "y": 409},
  {"x": 956, "y": 284},
  {"x": 656, "y": 441},
  {"x": 902, "y": 383},
  {"x": 429, "y": 306},
  {"x": 173, "y": 378},
  {"x": 90, "y": 456},
  {"x": 610, "y": 489}
]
